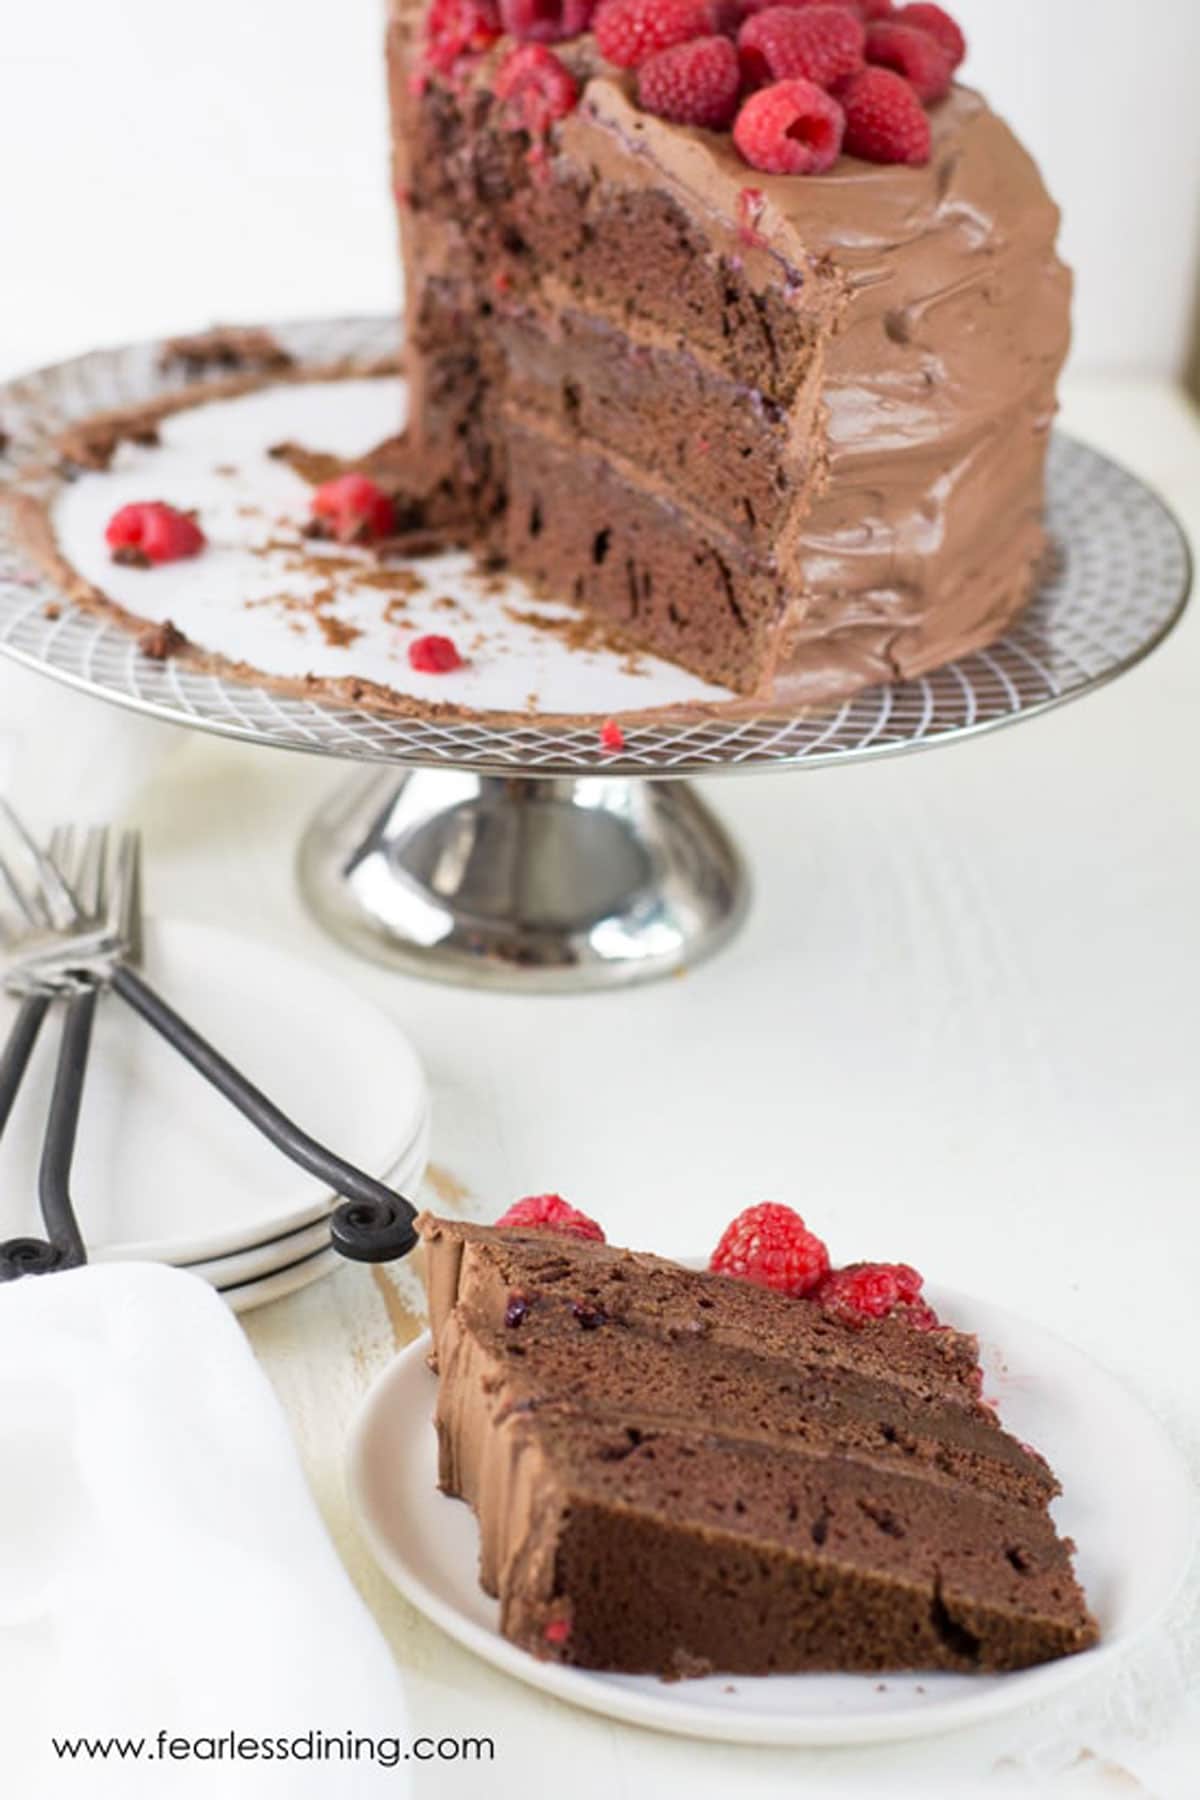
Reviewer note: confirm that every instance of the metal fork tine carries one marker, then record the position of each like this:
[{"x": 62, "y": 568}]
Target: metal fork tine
[
  {"x": 55, "y": 895},
  {"x": 90, "y": 877},
  {"x": 126, "y": 896},
  {"x": 61, "y": 850}
]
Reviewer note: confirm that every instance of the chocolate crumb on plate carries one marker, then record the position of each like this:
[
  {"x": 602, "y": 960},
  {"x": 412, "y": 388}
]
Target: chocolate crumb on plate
[
  {"x": 160, "y": 642},
  {"x": 92, "y": 443},
  {"x": 225, "y": 349}
]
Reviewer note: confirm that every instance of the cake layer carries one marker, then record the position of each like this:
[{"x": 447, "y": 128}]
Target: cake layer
[
  {"x": 630, "y": 1375},
  {"x": 722, "y": 448},
  {"x": 632, "y": 254},
  {"x": 481, "y": 1266},
  {"x": 682, "y": 1552},
  {"x": 584, "y": 527}
]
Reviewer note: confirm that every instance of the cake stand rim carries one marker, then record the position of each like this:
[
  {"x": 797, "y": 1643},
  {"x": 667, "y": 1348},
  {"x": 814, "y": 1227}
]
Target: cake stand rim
[{"x": 463, "y": 743}]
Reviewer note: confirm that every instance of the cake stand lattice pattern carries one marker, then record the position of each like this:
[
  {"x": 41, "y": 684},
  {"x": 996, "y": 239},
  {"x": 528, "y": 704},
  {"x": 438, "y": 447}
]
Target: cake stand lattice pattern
[{"x": 1115, "y": 583}]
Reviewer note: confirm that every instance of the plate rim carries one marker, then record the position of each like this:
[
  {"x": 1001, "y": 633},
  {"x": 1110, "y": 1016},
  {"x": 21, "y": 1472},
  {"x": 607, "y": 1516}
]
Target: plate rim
[
  {"x": 308, "y": 1269},
  {"x": 582, "y": 1687}
]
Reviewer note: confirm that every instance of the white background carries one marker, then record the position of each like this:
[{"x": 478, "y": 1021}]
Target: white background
[
  {"x": 961, "y": 1023},
  {"x": 163, "y": 164}
]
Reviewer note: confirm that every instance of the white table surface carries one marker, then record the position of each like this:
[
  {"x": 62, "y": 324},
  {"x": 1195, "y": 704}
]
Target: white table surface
[{"x": 960, "y": 1028}]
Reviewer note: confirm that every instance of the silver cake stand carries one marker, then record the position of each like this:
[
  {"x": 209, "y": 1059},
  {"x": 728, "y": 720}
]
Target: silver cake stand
[{"x": 527, "y": 857}]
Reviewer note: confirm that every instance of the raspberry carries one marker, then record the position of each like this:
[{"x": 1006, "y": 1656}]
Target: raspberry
[
  {"x": 820, "y": 44},
  {"x": 861, "y": 9},
  {"x": 457, "y": 28},
  {"x": 556, "y": 1631},
  {"x": 150, "y": 531},
  {"x": 546, "y": 21},
  {"x": 864, "y": 1291},
  {"x": 695, "y": 83},
  {"x": 628, "y": 31},
  {"x": 913, "y": 54},
  {"x": 790, "y": 128},
  {"x": 937, "y": 24},
  {"x": 772, "y": 1246},
  {"x": 550, "y": 1212},
  {"x": 535, "y": 88},
  {"x": 611, "y": 736},
  {"x": 885, "y": 122},
  {"x": 353, "y": 509},
  {"x": 433, "y": 655}
]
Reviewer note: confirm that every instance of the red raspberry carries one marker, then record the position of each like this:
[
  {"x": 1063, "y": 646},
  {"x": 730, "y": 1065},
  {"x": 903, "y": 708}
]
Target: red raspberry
[
  {"x": 611, "y": 736},
  {"x": 456, "y": 28},
  {"x": 353, "y": 509},
  {"x": 861, "y": 9},
  {"x": 937, "y": 24},
  {"x": 820, "y": 44},
  {"x": 546, "y": 21},
  {"x": 772, "y": 1246},
  {"x": 913, "y": 54},
  {"x": 696, "y": 83},
  {"x": 535, "y": 88},
  {"x": 433, "y": 655},
  {"x": 885, "y": 122},
  {"x": 790, "y": 128},
  {"x": 150, "y": 531},
  {"x": 550, "y": 1212},
  {"x": 864, "y": 1291},
  {"x": 628, "y": 31}
]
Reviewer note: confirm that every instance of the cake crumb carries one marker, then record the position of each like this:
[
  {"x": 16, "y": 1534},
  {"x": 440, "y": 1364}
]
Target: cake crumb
[
  {"x": 160, "y": 642},
  {"x": 337, "y": 632},
  {"x": 225, "y": 348}
]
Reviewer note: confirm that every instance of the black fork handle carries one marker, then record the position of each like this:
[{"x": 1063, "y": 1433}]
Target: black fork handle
[
  {"x": 375, "y": 1224},
  {"x": 54, "y": 1175},
  {"x": 63, "y": 1248},
  {"x": 19, "y": 1049}
]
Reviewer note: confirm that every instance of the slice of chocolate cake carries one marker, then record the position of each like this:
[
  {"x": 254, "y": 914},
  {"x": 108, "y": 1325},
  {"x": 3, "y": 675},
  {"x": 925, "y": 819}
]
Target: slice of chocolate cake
[
  {"x": 788, "y": 430},
  {"x": 676, "y": 1472}
]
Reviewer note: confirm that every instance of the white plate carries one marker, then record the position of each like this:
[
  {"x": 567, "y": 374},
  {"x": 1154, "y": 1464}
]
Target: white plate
[
  {"x": 1128, "y": 1502},
  {"x": 282, "y": 1252},
  {"x": 300, "y": 1274},
  {"x": 168, "y": 1171}
]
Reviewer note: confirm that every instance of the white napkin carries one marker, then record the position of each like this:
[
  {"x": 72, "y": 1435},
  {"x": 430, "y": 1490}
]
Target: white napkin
[{"x": 163, "y": 1567}]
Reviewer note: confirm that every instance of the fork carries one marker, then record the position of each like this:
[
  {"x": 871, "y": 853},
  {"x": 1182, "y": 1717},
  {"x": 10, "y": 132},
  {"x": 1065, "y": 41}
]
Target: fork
[
  {"x": 373, "y": 1224},
  {"x": 44, "y": 904}
]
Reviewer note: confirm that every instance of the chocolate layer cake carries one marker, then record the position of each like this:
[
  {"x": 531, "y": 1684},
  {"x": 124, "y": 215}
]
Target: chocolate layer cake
[
  {"x": 678, "y": 1472},
  {"x": 788, "y": 432}
]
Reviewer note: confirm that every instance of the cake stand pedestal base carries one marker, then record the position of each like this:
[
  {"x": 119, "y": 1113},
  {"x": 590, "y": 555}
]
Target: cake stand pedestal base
[{"x": 537, "y": 885}]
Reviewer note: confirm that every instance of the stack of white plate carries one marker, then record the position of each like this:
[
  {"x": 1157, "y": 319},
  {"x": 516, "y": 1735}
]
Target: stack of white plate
[{"x": 167, "y": 1171}]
